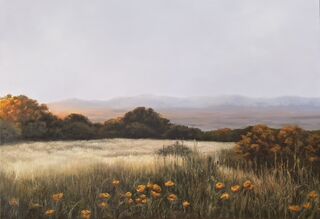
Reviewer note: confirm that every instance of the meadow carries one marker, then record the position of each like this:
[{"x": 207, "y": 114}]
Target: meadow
[{"x": 124, "y": 178}]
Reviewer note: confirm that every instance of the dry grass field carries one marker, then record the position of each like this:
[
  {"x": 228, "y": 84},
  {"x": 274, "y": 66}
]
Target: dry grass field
[
  {"x": 124, "y": 178},
  {"x": 36, "y": 158}
]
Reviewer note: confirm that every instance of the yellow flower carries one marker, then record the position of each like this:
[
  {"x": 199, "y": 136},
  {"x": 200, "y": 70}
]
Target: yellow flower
[
  {"x": 155, "y": 195},
  {"x": 248, "y": 185},
  {"x": 156, "y": 188},
  {"x": 169, "y": 184},
  {"x": 172, "y": 197},
  {"x": 225, "y": 197},
  {"x": 295, "y": 208},
  {"x": 116, "y": 183},
  {"x": 235, "y": 188},
  {"x": 50, "y": 213},
  {"x": 104, "y": 195},
  {"x": 85, "y": 214},
  {"x": 14, "y": 202},
  {"x": 103, "y": 205},
  {"x": 307, "y": 205},
  {"x": 144, "y": 201},
  {"x": 186, "y": 204},
  {"x": 313, "y": 195},
  {"x": 141, "y": 188},
  {"x": 150, "y": 186},
  {"x": 143, "y": 196},
  {"x": 57, "y": 197},
  {"x": 128, "y": 195},
  {"x": 220, "y": 186}
]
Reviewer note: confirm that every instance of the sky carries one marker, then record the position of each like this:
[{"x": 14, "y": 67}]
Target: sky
[{"x": 99, "y": 49}]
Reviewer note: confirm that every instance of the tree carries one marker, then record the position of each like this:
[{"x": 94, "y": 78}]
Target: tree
[
  {"x": 76, "y": 126},
  {"x": 8, "y": 132},
  {"x": 113, "y": 128},
  {"x": 182, "y": 132},
  {"x": 26, "y": 114},
  {"x": 147, "y": 117}
]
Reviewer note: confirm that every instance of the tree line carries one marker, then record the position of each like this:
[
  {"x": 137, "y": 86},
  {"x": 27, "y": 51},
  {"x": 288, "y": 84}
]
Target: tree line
[{"x": 23, "y": 118}]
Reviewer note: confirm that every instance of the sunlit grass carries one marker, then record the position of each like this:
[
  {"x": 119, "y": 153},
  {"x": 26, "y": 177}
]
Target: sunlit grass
[{"x": 197, "y": 186}]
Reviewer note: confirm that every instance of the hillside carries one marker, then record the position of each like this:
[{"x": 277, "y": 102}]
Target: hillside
[{"x": 205, "y": 112}]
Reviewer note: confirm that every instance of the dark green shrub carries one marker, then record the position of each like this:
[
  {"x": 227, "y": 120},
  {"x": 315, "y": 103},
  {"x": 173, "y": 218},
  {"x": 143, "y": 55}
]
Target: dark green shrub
[{"x": 177, "y": 149}]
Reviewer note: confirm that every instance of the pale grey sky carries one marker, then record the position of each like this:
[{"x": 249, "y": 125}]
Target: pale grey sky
[{"x": 100, "y": 49}]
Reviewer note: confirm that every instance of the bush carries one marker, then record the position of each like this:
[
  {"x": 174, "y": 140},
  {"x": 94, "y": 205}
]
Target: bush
[
  {"x": 177, "y": 149},
  {"x": 292, "y": 146}
]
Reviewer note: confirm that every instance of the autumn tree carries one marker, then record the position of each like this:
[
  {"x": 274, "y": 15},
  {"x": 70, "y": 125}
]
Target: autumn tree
[{"x": 32, "y": 118}]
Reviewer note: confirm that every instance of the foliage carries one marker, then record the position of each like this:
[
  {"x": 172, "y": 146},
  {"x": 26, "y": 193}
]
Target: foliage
[
  {"x": 148, "y": 117},
  {"x": 291, "y": 146},
  {"x": 26, "y": 114},
  {"x": 35, "y": 122},
  {"x": 177, "y": 149},
  {"x": 8, "y": 132},
  {"x": 225, "y": 135}
]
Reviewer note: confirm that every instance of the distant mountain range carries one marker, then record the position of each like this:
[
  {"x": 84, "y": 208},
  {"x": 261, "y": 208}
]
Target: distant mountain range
[{"x": 205, "y": 112}]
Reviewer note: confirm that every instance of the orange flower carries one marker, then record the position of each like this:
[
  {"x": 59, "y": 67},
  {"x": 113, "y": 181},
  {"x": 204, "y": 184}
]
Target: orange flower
[
  {"x": 169, "y": 184},
  {"x": 103, "y": 205},
  {"x": 156, "y": 188},
  {"x": 155, "y": 195},
  {"x": 128, "y": 195},
  {"x": 50, "y": 213},
  {"x": 57, "y": 197},
  {"x": 248, "y": 185},
  {"x": 313, "y": 195},
  {"x": 295, "y": 208},
  {"x": 14, "y": 202},
  {"x": 186, "y": 204},
  {"x": 225, "y": 197},
  {"x": 143, "y": 196},
  {"x": 144, "y": 201},
  {"x": 141, "y": 188},
  {"x": 235, "y": 188},
  {"x": 172, "y": 197},
  {"x": 307, "y": 205},
  {"x": 150, "y": 186},
  {"x": 104, "y": 195},
  {"x": 116, "y": 183},
  {"x": 85, "y": 214},
  {"x": 220, "y": 186}
]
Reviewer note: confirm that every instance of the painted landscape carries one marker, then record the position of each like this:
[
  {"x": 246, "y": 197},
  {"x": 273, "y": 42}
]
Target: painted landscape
[
  {"x": 168, "y": 109},
  {"x": 141, "y": 165}
]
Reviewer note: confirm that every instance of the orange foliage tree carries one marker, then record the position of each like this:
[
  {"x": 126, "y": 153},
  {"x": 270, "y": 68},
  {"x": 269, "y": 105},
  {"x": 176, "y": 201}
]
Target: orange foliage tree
[{"x": 27, "y": 115}]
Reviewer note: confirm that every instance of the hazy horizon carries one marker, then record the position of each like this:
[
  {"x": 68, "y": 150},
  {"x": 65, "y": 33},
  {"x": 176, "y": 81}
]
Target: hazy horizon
[
  {"x": 98, "y": 50},
  {"x": 182, "y": 97}
]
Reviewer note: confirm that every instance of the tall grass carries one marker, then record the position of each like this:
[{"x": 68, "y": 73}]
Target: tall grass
[{"x": 195, "y": 177}]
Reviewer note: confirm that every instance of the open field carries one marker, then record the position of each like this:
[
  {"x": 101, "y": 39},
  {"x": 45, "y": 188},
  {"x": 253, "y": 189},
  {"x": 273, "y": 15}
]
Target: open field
[
  {"x": 27, "y": 159},
  {"x": 91, "y": 180}
]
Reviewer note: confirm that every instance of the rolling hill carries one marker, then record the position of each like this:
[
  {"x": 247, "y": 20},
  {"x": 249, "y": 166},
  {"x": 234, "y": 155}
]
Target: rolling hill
[{"x": 204, "y": 112}]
